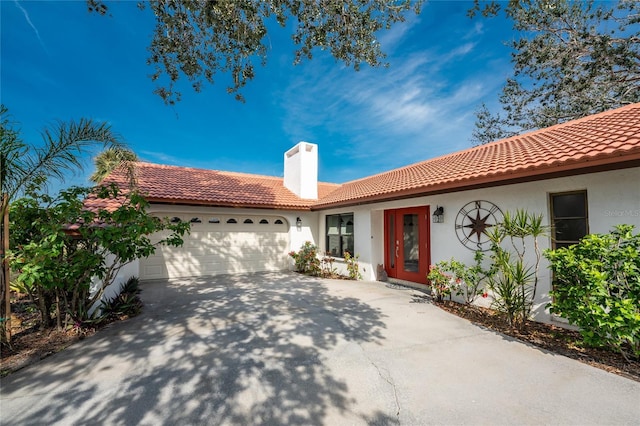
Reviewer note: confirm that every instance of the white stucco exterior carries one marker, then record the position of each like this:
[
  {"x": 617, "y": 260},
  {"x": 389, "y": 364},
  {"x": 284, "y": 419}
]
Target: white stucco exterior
[
  {"x": 301, "y": 170},
  {"x": 613, "y": 198},
  {"x": 115, "y": 288}
]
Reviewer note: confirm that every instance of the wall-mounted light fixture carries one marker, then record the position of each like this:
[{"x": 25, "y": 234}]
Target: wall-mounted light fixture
[
  {"x": 299, "y": 223},
  {"x": 438, "y": 215}
]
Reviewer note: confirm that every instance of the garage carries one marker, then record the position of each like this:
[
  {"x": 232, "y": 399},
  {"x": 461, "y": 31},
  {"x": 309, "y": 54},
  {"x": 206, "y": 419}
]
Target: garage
[{"x": 221, "y": 244}]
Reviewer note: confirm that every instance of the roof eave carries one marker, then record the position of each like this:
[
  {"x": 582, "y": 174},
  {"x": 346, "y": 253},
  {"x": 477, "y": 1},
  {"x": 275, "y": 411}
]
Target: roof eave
[
  {"x": 550, "y": 171},
  {"x": 265, "y": 206}
]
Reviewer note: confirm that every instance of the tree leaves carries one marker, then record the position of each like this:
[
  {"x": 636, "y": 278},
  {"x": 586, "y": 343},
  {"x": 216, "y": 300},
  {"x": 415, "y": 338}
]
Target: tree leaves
[
  {"x": 199, "y": 39},
  {"x": 24, "y": 166},
  {"x": 59, "y": 244},
  {"x": 571, "y": 59},
  {"x": 111, "y": 159}
]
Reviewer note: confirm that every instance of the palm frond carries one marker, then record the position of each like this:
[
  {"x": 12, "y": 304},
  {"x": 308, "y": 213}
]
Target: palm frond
[
  {"x": 63, "y": 147},
  {"x": 114, "y": 158}
]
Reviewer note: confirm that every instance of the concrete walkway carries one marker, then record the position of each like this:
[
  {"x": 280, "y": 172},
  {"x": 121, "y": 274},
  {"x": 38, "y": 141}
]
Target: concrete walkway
[{"x": 286, "y": 349}]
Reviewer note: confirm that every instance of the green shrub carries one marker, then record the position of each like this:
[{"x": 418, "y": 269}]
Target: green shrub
[
  {"x": 306, "y": 259},
  {"x": 127, "y": 303},
  {"x": 440, "y": 282},
  {"x": 596, "y": 286},
  {"x": 328, "y": 269},
  {"x": 512, "y": 281},
  {"x": 465, "y": 281},
  {"x": 511, "y": 288},
  {"x": 353, "y": 268}
]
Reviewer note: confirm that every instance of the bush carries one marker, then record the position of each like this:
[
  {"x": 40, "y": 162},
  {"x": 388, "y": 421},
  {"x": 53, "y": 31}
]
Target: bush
[
  {"x": 56, "y": 267},
  {"x": 511, "y": 289},
  {"x": 597, "y": 287},
  {"x": 440, "y": 282},
  {"x": 126, "y": 304},
  {"x": 512, "y": 281},
  {"x": 464, "y": 281},
  {"x": 327, "y": 266},
  {"x": 306, "y": 259},
  {"x": 352, "y": 266}
]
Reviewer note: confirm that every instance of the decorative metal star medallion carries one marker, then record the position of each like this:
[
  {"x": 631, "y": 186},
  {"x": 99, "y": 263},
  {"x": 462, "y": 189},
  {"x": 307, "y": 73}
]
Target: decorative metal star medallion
[{"x": 472, "y": 222}]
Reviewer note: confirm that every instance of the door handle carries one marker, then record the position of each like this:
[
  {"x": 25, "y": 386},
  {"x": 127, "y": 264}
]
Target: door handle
[{"x": 397, "y": 248}]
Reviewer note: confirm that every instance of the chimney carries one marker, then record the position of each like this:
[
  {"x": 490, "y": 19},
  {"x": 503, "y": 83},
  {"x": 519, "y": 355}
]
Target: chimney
[{"x": 301, "y": 170}]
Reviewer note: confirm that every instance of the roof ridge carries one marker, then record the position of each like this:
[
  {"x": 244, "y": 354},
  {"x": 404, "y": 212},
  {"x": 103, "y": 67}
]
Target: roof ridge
[
  {"x": 606, "y": 140},
  {"x": 502, "y": 141},
  {"x": 223, "y": 172}
]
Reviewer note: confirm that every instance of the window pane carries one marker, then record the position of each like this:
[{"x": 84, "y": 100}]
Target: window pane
[
  {"x": 569, "y": 205},
  {"x": 347, "y": 245},
  {"x": 333, "y": 245},
  {"x": 392, "y": 241},
  {"x": 333, "y": 225},
  {"x": 346, "y": 224},
  {"x": 339, "y": 234},
  {"x": 411, "y": 244},
  {"x": 570, "y": 229}
]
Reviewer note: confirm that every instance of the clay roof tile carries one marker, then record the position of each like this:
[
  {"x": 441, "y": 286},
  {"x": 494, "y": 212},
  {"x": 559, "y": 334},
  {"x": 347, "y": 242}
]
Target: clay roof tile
[
  {"x": 609, "y": 139},
  {"x": 185, "y": 185}
]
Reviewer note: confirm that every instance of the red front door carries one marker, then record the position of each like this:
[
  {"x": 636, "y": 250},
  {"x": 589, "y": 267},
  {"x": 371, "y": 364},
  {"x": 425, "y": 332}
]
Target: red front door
[{"x": 407, "y": 251}]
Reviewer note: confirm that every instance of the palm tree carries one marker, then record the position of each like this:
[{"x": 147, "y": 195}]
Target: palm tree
[
  {"x": 24, "y": 166},
  {"x": 110, "y": 159}
]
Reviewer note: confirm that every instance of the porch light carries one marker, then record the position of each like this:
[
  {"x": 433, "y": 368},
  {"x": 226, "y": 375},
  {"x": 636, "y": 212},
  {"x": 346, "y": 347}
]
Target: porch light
[
  {"x": 438, "y": 215},
  {"x": 299, "y": 223}
]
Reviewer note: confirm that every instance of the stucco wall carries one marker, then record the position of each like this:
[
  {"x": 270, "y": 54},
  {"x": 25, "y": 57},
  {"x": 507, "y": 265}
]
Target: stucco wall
[
  {"x": 613, "y": 198},
  {"x": 113, "y": 290}
]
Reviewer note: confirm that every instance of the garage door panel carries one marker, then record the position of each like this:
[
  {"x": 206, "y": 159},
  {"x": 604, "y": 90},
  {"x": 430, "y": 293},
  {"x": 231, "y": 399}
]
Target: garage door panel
[{"x": 216, "y": 248}]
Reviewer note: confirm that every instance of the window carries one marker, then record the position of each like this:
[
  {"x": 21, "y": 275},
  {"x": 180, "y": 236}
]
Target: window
[
  {"x": 264, "y": 222},
  {"x": 196, "y": 220},
  {"x": 232, "y": 220},
  {"x": 248, "y": 221},
  {"x": 569, "y": 218},
  {"x": 339, "y": 234},
  {"x": 214, "y": 220},
  {"x": 175, "y": 219},
  {"x": 278, "y": 222}
]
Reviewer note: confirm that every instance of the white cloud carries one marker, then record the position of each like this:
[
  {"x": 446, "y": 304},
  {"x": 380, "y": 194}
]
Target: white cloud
[
  {"x": 423, "y": 103},
  {"x": 476, "y": 31},
  {"x": 160, "y": 157},
  {"x": 391, "y": 38},
  {"x": 33, "y": 27}
]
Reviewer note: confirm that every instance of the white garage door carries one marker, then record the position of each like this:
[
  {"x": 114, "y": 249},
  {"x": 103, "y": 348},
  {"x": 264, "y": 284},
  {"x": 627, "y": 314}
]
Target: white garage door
[{"x": 222, "y": 244}]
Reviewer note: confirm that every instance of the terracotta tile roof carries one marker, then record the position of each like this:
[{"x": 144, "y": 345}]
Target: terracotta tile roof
[
  {"x": 183, "y": 185},
  {"x": 603, "y": 141}
]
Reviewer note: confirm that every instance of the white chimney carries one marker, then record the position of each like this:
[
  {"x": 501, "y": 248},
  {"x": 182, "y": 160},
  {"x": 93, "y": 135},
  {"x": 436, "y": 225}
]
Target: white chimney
[{"x": 301, "y": 170}]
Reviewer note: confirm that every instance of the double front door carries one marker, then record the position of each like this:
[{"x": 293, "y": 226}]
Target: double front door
[{"x": 407, "y": 251}]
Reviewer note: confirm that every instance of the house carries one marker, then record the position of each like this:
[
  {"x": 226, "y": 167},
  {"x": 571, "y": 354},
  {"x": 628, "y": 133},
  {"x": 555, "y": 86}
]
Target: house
[{"x": 583, "y": 176}]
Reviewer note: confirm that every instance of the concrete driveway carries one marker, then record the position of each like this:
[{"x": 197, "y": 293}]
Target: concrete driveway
[{"x": 287, "y": 349}]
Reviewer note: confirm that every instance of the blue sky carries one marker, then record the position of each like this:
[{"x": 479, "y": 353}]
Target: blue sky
[{"x": 59, "y": 62}]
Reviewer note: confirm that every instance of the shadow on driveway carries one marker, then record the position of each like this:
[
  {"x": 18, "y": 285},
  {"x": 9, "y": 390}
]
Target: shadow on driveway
[
  {"x": 242, "y": 349},
  {"x": 287, "y": 349}
]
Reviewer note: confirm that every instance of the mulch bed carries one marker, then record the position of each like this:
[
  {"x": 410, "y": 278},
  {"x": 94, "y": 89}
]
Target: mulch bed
[
  {"x": 29, "y": 344},
  {"x": 555, "y": 339}
]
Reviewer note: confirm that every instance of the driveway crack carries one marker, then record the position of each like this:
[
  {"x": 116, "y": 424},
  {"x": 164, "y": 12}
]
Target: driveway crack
[{"x": 387, "y": 378}]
